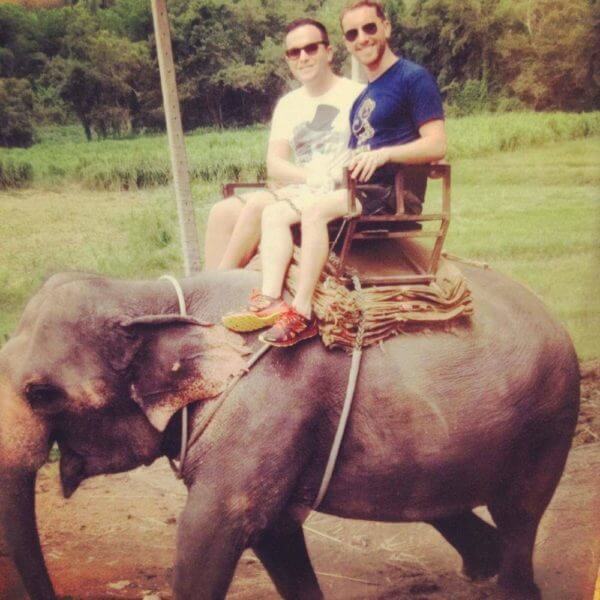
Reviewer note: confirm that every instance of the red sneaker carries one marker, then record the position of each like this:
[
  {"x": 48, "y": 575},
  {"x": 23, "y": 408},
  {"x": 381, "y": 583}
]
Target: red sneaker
[
  {"x": 262, "y": 311},
  {"x": 290, "y": 328}
]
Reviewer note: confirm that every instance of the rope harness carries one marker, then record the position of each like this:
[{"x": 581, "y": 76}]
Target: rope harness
[
  {"x": 207, "y": 416},
  {"x": 379, "y": 312}
]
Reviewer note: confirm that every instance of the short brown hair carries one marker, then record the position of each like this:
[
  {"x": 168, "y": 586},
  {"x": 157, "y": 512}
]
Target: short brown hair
[
  {"x": 369, "y": 3},
  {"x": 307, "y": 21}
]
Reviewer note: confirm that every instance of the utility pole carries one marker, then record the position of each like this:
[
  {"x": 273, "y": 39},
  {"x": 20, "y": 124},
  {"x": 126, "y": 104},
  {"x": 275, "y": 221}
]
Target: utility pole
[{"x": 179, "y": 162}]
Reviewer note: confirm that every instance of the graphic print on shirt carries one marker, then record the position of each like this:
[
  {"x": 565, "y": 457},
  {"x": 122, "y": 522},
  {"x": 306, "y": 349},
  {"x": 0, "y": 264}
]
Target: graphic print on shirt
[
  {"x": 315, "y": 139},
  {"x": 361, "y": 127}
]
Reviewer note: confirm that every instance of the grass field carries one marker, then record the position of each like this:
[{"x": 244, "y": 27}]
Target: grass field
[
  {"x": 63, "y": 155},
  {"x": 532, "y": 213}
]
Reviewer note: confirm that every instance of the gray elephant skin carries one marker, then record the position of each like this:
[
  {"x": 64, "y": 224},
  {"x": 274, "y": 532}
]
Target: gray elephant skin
[{"x": 443, "y": 421}]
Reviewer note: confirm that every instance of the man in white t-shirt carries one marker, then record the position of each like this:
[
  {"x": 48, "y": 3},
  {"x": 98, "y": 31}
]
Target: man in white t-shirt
[{"x": 307, "y": 147}]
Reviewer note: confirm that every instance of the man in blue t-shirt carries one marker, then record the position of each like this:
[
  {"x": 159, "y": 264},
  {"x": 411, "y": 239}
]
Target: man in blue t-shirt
[{"x": 398, "y": 118}]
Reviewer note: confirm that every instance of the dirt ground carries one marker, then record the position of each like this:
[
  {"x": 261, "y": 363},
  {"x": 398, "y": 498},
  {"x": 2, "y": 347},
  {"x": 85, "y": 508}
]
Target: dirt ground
[{"x": 116, "y": 537}]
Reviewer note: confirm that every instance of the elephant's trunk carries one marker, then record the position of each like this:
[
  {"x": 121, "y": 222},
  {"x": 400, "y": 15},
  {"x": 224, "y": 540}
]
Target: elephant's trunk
[
  {"x": 24, "y": 445},
  {"x": 17, "y": 521}
]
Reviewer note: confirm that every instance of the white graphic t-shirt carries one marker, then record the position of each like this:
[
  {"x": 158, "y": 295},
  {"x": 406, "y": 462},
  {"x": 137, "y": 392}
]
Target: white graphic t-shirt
[{"x": 317, "y": 127}]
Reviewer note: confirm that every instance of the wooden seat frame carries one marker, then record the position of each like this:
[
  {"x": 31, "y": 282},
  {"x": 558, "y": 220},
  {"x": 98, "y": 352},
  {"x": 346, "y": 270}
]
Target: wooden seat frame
[{"x": 363, "y": 227}]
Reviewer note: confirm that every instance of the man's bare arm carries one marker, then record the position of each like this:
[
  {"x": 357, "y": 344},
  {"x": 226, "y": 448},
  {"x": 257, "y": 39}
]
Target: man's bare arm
[
  {"x": 280, "y": 168},
  {"x": 430, "y": 147}
]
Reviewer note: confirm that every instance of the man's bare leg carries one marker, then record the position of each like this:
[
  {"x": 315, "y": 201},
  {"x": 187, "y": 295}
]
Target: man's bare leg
[
  {"x": 246, "y": 233},
  {"x": 297, "y": 324},
  {"x": 315, "y": 245},
  {"x": 276, "y": 246},
  {"x": 219, "y": 227}
]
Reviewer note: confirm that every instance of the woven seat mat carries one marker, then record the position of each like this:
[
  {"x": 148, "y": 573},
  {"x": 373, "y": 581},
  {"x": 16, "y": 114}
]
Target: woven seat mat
[{"x": 388, "y": 310}]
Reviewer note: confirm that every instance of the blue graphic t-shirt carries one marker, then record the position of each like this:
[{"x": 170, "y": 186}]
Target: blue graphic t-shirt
[{"x": 391, "y": 109}]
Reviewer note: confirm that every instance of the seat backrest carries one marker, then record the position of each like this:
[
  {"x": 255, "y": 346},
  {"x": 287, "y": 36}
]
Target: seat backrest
[{"x": 410, "y": 182}]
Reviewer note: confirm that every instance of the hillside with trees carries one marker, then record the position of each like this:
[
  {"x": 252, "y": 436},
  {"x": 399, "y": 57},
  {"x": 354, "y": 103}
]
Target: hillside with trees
[{"x": 94, "y": 61}]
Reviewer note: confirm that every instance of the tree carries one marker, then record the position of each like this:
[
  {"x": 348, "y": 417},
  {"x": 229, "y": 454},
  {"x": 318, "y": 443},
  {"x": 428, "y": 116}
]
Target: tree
[
  {"x": 102, "y": 77},
  {"x": 16, "y": 113},
  {"x": 456, "y": 39},
  {"x": 19, "y": 51},
  {"x": 554, "y": 63}
]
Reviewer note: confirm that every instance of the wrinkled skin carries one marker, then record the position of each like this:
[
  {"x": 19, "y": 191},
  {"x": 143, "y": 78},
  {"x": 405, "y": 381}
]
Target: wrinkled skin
[{"x": 442, "y": 422}]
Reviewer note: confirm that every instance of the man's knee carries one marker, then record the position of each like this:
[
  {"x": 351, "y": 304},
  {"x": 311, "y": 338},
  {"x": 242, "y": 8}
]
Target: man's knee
[
  {"x": 257, "y": 201},
  {"x": 278, "y": 214},
  {"x": 315, "y": 216},
  {"x": 226, "y": 211}
]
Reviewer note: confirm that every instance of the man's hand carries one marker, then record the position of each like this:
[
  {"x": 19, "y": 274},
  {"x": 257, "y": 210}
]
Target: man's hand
[{"x": 363, "y": 165}]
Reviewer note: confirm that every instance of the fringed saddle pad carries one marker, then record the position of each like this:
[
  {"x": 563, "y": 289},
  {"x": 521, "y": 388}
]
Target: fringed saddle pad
[{"x": 387, "y": 310}]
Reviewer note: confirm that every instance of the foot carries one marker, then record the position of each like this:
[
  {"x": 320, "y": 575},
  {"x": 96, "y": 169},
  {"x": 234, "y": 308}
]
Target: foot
[
  {"x": 262, "y": 311},
  {"x": 290, "y": 328}
]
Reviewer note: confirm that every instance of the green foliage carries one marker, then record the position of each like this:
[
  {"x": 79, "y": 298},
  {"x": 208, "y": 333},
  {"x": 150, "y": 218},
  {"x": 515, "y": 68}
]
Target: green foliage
[
  {"x": 17, "y": 41},
  {"x": 16, "y": 113},
  {"x": 128, "y": 18},
  {"x": 95, "y": 60},
  {"x": 456, "y": 38},
  {"x": 556, "y": 53},
  {"x": 103, "y": 78},
  {"x": 471, "y": 97},
  {"x": 15, "y": 174}
]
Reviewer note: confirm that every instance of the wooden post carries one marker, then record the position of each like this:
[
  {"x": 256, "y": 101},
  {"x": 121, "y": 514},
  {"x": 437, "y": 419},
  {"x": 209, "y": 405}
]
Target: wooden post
[{"x": 179, "y": 163}]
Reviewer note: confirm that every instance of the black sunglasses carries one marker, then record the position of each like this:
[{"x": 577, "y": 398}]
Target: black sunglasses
[
  {"x": 310, "y": 49},
  {"x": 369, "y": 29}
]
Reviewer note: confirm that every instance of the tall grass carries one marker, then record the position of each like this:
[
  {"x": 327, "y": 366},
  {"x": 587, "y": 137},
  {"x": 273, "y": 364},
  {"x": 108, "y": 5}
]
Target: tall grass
[
  {"x": 15, "y": 174},
  {"x": 481, "y": 135},
  {"x": 64, "y": 155}
]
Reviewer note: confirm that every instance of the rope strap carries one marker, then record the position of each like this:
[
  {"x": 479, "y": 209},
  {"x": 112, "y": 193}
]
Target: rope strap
[
  {"x": 178, "y": 468},
  {"x": 352, "y": 378}
]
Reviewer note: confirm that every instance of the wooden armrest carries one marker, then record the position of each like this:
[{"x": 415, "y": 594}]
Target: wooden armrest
[
  {"x": 434, "y": 171},
  {"x": 228, "y": 189}
]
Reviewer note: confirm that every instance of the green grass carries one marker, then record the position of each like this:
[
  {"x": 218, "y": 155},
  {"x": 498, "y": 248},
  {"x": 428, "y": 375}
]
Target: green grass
[
  {"x": 535, "y": 215},
  {"x": 63, "y": 155},
  {"x": 532, "y": 213},
  {"x": 481, "y": 135}
]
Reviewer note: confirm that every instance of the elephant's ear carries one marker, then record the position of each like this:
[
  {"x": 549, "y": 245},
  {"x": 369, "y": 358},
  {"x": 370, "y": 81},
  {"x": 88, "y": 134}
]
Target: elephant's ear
[{"x": 179, "y": 363}]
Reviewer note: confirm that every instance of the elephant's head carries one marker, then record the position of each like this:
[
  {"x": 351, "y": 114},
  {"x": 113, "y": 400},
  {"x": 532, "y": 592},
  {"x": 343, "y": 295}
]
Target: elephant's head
[{"x": 99, "y": 367}]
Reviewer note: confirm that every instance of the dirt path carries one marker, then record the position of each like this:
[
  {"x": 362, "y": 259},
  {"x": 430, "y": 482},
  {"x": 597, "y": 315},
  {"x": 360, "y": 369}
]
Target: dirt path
[{"x": 116, "y": 537}]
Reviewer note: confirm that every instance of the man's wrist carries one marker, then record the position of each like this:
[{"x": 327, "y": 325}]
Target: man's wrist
[{"x": 387, "y": 155}]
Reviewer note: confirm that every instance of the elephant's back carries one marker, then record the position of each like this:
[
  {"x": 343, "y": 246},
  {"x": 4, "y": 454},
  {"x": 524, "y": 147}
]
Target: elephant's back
[
  {"x": 453, "y": 405},
  {"x": 510, "y": 347}
]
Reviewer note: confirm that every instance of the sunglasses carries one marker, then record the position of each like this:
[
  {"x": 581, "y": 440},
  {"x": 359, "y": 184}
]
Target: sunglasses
[
  {"x": 369, "y": 29},
  {"x": 309, "y": 49}
]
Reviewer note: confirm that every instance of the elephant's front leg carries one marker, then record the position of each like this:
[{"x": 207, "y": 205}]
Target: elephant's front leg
[
  {"x": 240, "y": 481},
  {"x": 210, "y": 541},
  {"x": 282, "y": 550}
]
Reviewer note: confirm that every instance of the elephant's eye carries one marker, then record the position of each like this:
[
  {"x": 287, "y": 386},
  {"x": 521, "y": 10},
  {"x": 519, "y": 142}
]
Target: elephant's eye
[{"x": 44, "y": 397}]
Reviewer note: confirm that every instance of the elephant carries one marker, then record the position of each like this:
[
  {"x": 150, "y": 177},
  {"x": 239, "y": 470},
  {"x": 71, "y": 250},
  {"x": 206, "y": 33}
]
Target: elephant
[{"x": 444, "y": 420}]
